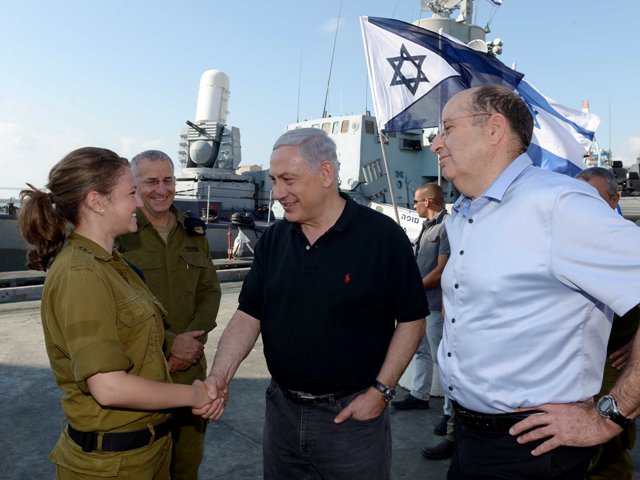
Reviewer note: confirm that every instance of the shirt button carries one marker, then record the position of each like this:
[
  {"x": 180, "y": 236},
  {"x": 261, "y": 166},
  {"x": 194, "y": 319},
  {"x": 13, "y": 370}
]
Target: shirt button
[
  {"x": 461, "y": 252},
  {"x": 453, "y": 320},
  {"x": 308, "y": 247},
  {"x": 471, "y": 220},
  {"x": 448, "y": 354},
  {"x": 456, "y": 286},
  {"x": 450, "y": 388}
]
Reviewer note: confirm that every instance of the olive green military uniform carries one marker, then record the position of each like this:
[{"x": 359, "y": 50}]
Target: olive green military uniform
[
  {"x": 613, "y": 458},
  {"x": 98, "y": 316},
  {"x": 181, "y": 275}
]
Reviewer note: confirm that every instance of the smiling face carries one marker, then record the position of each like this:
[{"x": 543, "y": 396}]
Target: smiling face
[
  {"x": 300, "y": 190},
  {"x": 121, "y": 205},
  {"x": 157, "y": 187}
]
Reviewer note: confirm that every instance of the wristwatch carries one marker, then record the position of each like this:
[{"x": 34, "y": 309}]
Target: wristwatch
[
  {"x": 387, "y": 392},
  {"x": 608, "y": 408}
]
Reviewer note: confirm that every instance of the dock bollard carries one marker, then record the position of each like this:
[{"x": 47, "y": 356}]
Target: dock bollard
[{"x": 229, "y": 247}]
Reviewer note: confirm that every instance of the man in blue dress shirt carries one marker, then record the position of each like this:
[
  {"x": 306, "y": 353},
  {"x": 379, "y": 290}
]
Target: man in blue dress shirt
[{"x": 525, "y": 290}]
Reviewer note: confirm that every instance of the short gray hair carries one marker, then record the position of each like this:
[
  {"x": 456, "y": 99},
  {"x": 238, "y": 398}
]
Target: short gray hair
[
  {"x": 315, "y": 146},
  {"x": 588, "y": 173},
  {"x": 152, "y": 156}
]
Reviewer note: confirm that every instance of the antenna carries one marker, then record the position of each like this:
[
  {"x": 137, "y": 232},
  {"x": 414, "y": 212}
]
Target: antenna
[
  {"x": 335, "y": 38},
  {"x": 299, "y": 86}
]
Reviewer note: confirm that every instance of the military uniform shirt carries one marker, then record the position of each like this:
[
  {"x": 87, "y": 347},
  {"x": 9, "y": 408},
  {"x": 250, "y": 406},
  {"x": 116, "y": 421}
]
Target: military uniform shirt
[
  {"x": 181, "y": 275},
  {"x": 98, "y": 316}
]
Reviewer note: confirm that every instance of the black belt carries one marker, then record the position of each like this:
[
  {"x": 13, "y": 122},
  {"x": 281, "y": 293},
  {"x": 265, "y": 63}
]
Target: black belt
[
  {"x": 307, "y": 398},
  {"x": 501, "y": 422},
  {"x": 118, "y": 441}
]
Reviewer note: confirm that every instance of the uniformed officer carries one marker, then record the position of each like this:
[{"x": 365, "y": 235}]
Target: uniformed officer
[{"x": 172, "y": 251}]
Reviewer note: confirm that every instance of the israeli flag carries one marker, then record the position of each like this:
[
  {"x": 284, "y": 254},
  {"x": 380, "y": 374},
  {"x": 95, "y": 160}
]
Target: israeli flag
[
  {"x": 497, "y": 3},
  {"x": 414, "y": 72},
  {"x": 561, "y": 135}
]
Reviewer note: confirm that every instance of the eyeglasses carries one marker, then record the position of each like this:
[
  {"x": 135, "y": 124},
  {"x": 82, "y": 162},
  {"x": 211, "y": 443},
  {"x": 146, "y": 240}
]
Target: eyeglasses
[
  {"x": 441, "y": 126},
  {"x": 154, "y": 182}
]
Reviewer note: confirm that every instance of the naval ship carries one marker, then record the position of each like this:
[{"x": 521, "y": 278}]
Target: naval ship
[{"x": 236, "y": 205}]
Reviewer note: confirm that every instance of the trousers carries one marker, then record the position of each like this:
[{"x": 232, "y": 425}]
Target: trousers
[
  {"x": 301, "y": 441},
  {"x": 490, "y": 455}
]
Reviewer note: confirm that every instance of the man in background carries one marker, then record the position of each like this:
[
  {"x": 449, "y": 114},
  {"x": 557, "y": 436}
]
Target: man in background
[
  {"x": 613, "y": 459},
  {"x": 172, "y": 251},
  {"x": 431, "y": 250}
]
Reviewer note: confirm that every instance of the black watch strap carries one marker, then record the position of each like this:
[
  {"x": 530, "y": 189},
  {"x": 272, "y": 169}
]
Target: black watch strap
[
  {"x": 620, "y": 419},
  {"x": 607, "y": 407},
  {"x": 387, "y": 392}
]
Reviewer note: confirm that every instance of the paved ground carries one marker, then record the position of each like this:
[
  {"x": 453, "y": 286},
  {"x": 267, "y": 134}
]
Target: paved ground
[{"x": 32, "y": 418}]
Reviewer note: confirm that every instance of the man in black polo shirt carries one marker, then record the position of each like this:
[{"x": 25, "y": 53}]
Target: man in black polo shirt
[{"x": 326, "y": 288}]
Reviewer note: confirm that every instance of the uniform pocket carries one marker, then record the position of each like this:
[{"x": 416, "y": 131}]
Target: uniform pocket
[
  {"x": 133, "y": 310},
  {"x": 69, "y": 455},
  {"x": 195, "y": 259}
]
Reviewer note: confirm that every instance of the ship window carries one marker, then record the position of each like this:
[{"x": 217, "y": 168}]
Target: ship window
[
  {"x": 326, "y": 127},
  {"x": 345, "y": 126},
  {"x": 336, "y": 127},
  {"x": 411, "y": 144},
  {"x": 368, "y": 127}
]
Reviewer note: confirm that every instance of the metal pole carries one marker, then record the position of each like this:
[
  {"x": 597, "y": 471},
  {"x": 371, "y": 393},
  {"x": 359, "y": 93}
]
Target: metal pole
[
  {"x": 389, "y": 182},
  {"x": 270, "y": 205},
  {"x": 206, "y": 219}
]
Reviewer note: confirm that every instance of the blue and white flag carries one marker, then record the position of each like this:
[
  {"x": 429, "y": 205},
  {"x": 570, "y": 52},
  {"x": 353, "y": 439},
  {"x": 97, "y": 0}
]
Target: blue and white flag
[
  {"x": 414, "y": 72},
  {"x": 561, "y": 136},
  {"x": 497, "y": 3}
]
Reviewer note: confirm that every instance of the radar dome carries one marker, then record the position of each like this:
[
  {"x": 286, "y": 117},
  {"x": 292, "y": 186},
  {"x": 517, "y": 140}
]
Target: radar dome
[{"x": 213, "y": 97}]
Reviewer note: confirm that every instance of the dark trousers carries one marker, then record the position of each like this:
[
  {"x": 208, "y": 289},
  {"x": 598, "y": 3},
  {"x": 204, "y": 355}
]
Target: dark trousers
[
  {"x": 490, "y": 455},
  {"x": 301, "y": 441}
]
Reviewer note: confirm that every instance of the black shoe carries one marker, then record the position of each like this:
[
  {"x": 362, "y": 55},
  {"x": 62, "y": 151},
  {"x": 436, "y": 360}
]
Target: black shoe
[
  {"x": 442, "y": 450},
  {"x": 409, "y": 402},
  {"x": 441, "y": 426}
]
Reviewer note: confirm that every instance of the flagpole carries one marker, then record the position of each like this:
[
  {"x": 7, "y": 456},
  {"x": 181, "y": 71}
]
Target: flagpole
[
  {"x": 385, "y": 162},
  {"x": 389, "y": 182}
]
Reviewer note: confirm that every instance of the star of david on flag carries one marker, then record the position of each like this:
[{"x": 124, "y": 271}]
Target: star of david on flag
[{"x": 414, "y": 72}]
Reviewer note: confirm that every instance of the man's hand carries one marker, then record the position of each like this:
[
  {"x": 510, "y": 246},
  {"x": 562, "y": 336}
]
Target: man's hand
[
  {"x": 369, "y": 404},
  {"x": 187, "y": 347},
  {"x": 177, "y": 365},
  {"x": 570, "y": 424},
  {"x": 620, "y": 357},
  {"x": 218, "y": 391}
]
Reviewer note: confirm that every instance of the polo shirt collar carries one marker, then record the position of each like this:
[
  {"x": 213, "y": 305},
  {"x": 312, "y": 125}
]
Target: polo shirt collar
[
  {"x": 346, "y": 217},
  {"x": 90, "y": 246}
]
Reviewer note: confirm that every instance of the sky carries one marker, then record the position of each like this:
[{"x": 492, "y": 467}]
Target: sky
[{"x": 124, "y": 74}]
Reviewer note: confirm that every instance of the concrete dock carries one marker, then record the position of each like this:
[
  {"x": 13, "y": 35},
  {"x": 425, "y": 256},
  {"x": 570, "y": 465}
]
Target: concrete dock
[{"x": 32, "y": 418}]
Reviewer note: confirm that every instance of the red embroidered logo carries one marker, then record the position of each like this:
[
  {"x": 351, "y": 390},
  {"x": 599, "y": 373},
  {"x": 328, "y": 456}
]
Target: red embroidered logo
[{"x": 347, "y": 278}]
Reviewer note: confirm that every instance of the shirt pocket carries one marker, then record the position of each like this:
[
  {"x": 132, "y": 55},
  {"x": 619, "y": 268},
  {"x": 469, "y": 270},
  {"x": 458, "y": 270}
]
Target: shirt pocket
[
  {"x": 133, "y": 311},
  {"x": 195, "y": 260}
]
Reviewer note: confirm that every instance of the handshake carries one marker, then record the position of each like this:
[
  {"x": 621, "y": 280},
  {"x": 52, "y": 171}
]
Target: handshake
[{"x": 212, "y": 395}]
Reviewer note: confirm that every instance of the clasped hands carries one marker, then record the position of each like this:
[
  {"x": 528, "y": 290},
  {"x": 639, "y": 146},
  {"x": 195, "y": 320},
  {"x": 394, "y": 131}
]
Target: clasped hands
[
  {"x": 217, "y": 391},
  {"x": 186, "y": 350}
]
